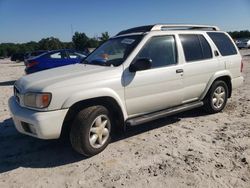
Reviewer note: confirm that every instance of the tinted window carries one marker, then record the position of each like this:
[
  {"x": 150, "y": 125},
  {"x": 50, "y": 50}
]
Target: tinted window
[
  {"x": 57, "y": 55},
  {"x": 162, "y": 51},
  {"x": 223, "y": 43},
  {"x": 195, "y": 47},
  {"x": 206, "y": 49}
]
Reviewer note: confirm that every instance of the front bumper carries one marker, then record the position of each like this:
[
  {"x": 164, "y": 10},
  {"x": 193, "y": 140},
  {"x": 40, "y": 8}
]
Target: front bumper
[{"x": 44, "y": 125}]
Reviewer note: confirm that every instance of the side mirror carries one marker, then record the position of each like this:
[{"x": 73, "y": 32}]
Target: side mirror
[
  {"x": 216, "y": 53},
  {"x": 140, "y": 64}
]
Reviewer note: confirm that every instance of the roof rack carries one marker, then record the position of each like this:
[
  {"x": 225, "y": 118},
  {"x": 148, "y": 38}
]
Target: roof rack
[
  {"x": 164, "y": 27},
  {"x": 141, "y": 29}
]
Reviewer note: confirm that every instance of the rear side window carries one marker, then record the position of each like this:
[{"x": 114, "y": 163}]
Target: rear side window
[
  {"x": 223, "y": 43},
  {"x": 195, "y": 47},
  {"x": 58, "y": 55}
]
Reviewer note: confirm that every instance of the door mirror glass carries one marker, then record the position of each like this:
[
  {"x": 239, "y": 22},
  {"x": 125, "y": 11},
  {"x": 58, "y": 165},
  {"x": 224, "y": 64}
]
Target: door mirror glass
[{"x": 140, "y": 64}]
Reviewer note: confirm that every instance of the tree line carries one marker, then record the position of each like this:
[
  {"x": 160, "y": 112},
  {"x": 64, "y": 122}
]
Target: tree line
[
  {"x": 239, "y": 34},
  {"x": 80, "y": 41}
]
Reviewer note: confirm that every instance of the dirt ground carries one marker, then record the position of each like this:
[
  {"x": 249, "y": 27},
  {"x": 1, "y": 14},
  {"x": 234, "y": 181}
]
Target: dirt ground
[{"x": 192, "y": 149}]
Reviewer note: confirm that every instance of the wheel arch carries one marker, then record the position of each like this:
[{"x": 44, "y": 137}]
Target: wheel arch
[
  {"x": 224, "y": 77},
  {"x": 227, "y": 80},
  {"x": 109, "y": 102}
]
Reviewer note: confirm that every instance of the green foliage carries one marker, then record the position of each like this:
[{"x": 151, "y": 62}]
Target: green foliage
[
  {"x": 8, "y": 49},
  {"x": 239, "y": 34},
  {"x": 50, "y": 43},
  {"x": 31, "y": 46},
  {"x": 104, "y": 37},
  {"x": 68, "y": 45},
  {"x": 3, "y": 52},
  {"x": 93, "y": 43},
  {"x": 79, "y": 42}
]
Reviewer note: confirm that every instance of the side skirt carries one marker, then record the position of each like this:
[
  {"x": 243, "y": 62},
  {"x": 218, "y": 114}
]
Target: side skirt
[{"x": 163, "y": 113}]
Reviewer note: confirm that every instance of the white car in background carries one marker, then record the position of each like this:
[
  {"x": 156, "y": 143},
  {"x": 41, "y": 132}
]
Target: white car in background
[{"x": 243, "y": 43}]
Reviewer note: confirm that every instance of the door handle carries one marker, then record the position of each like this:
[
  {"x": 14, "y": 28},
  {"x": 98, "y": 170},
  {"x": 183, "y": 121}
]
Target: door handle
[{"x": 179, "y": 71}]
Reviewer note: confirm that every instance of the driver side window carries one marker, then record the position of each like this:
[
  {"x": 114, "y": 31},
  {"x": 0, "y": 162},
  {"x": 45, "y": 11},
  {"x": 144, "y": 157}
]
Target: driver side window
[{"x": 161, "y": 50}]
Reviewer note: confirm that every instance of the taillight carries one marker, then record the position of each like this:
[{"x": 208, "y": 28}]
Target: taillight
[
  {"x": 241, "y": 66},
  {"x": 31, "y": 64}
]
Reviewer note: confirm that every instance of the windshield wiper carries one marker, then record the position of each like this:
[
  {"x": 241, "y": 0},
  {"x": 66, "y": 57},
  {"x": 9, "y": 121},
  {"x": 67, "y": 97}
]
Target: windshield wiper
[{"x": 95, "y": 62}]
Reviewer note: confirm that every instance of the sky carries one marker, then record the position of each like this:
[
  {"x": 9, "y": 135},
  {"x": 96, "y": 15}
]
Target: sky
[{"x": 31, "y": 20}]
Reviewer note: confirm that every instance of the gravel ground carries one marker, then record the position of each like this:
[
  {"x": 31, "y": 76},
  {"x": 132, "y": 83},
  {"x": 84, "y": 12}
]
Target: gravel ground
[{"x": 192, "y": 149}]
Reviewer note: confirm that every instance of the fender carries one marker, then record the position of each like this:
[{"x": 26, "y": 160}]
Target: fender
[
  {"x": 213, "y": 78},
  {"x": 94, "y": 93}
]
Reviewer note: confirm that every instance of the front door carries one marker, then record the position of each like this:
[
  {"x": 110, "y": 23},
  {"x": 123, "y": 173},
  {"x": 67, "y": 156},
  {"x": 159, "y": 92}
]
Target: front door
[{"x": 160, "y": 86}]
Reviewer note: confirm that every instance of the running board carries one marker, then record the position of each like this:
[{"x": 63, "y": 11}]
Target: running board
[{"x": 163, "y": 113}]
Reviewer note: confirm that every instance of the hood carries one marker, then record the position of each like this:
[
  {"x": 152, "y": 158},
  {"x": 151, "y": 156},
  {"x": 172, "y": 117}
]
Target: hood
[{"x": 42, "y": 79}]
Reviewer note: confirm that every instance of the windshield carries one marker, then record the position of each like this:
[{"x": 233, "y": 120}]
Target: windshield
[{"x": 113, "y": 52}]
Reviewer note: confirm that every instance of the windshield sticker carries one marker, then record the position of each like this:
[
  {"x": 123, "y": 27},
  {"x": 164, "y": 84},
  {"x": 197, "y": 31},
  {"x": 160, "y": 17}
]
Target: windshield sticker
[{"x": 127, "y": 41}]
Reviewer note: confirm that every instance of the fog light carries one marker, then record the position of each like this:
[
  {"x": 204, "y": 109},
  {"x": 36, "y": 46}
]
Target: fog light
[{"x": 29, "y": 128}]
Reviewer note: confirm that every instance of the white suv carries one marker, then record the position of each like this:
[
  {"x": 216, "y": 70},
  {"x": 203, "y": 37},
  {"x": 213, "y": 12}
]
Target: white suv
[{"x": 141, "y": 74}]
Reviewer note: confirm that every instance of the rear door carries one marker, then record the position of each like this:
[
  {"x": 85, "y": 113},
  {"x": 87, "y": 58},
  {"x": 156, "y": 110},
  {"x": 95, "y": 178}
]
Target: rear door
[{"x": 200, "y": 65}]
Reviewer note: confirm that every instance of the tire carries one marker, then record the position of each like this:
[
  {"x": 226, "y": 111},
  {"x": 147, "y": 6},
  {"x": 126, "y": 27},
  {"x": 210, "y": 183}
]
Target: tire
[
  {"x": 216, "y": 98},
  {"x": 91, "y": 130}
]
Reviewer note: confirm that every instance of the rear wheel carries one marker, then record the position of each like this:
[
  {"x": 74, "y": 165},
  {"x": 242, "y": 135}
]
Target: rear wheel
[
  {"x": 216, "y": 98},
  {"x": 90, "y": 132}
]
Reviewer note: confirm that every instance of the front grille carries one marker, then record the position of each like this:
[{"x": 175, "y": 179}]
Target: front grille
[{"x": 17, "y": 94}]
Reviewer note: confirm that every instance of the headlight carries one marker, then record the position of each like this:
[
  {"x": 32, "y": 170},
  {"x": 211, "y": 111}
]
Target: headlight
[{"x": 37, "y": 100}]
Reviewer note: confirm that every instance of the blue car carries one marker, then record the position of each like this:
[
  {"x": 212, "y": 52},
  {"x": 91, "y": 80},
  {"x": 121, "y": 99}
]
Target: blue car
[{"x": 52, "y": 59}]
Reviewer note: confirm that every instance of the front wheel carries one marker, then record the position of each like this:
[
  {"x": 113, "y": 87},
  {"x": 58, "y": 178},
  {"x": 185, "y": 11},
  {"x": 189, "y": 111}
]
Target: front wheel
[
  {"x": 217, "y": 96},
  {"x": 91, "y": 129}
]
